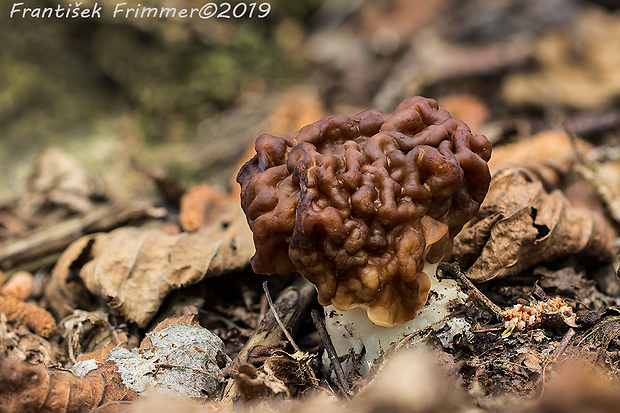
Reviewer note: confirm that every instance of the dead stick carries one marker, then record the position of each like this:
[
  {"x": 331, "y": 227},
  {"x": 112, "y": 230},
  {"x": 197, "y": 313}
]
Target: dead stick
[
  {"x": 455, "y": 272},
  {"x": 559, "y": 350},
  {"x": 48, "y": 240},
  {"x": 277, "y": 317},
  {"x": 341, "y": 379},
  {"x": 291, "y": 303}
]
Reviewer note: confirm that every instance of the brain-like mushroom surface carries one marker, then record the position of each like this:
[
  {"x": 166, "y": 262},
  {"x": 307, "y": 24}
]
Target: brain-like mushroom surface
[{"x": 357, "y": 205}]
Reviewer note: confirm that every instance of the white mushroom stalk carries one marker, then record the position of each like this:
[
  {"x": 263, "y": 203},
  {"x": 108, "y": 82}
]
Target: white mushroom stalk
[{"x": 364, "y": 343}]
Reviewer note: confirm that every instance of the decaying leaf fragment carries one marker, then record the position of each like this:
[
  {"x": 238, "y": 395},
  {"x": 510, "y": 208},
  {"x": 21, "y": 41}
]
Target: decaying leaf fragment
[
  {"x": 57, "y": 188},
  {"x": 520, "y": 225},
  {"x": 19, "y": 343},
  {"x": 252, "y": 384},
  {"x": 577, "y": 68},
  {"x": 602, "y": 170},
  {"x": 89, "y": 335},
  {"x": 179, "y": 359},
  {"x": 34, "y": 388},
  {"x": 134, "y": 268}
]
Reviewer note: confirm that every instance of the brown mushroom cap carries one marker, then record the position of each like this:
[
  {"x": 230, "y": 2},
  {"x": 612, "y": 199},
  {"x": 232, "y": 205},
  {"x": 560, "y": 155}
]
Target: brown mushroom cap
[{"x": 357, "y": 205}]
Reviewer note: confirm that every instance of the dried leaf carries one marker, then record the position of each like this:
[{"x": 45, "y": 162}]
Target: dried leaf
[
  {"x": 135, "y": 268},
  {"x": 18, "y": 343},
  {"x": 253, "y": 384},
  {"x": 578, "y": 65},
  {"x": 180, "y": 359},
  {"x": 291, "y": 369},
  {"x": 34, "y": 388},
  {"x": 90, "y": 336},
  {"x": 550, "y": 148},
  {"x": 411, "y": 381},
  {"x": 520, "y": 225},
  {"x": 468, "y": 108},
  {"x": 602, "y": 170},
  {"x": 57, "y": 188}
]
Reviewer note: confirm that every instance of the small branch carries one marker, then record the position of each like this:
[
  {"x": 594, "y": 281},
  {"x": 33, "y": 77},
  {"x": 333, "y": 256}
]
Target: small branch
[
  {"x": 455, "y": 272},
  {"x": 49, "y": 240},
  {"x": 557, "y": 353},
  {"x": 277, "y": 317},
  {"x": 291, "y": 303},
  {"x": 341, "y": 379}
]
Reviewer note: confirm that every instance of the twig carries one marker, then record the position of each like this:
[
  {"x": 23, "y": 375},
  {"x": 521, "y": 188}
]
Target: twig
[
  {"x": 573, "y": 140},
  {"x": 408, "y": 338},
  {"x": 291, "y": 303},
  {"x": 277, "y": 317},
  {"x": 455, "y": 272},
  {"x": 48, "y": 240},
  {"x": 559, "y": 350},
  {"x": 341, "y": 380}
]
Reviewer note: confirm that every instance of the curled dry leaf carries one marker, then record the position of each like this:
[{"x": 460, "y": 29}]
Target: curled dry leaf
[
  {"x": 291, "y": 369},
  {"x": 520, "y": 225},
  {"x": 549, "y": 148},
  {"x": 89, "y": 335},
  {"x": 252, "y": 384},
  {"x": 34, "y": 388},
  {"x": 134, "y": 268}
]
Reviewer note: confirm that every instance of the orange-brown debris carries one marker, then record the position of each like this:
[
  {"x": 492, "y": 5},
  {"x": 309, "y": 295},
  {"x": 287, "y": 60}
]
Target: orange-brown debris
[
  {"x": 20, "y": 285},
  {"x": 523, "y": 316},
  {"x": 35, "y": 318},
  {"x": 196, "y": 205},
  {"x": 357, "y": 205}
]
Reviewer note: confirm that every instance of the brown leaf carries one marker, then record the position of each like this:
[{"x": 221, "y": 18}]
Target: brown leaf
[
  {"x": 134, "y": 268},
  {"x": 34, "y": 388},
  {"x": 292, "y": 369},
  {"x": 19, "y": 343},
  {"x": 468, "y": 108},
  {"x": 253, "y": 384},
  {"x": 549, "y": 149},
  {"x": 520, "y": 225},
  {"x": 57, "y": 188},
  {"x": 602, "y": 170},
  {"x": 578, "y": 65},
  {"x": 90, "y": 336}
]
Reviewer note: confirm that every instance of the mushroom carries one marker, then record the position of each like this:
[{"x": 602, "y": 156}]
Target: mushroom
[{"x": 365, "y": 207}]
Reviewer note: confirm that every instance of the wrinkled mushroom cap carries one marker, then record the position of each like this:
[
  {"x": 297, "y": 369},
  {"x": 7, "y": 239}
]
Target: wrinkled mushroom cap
[{"x": 358, "y": 205}]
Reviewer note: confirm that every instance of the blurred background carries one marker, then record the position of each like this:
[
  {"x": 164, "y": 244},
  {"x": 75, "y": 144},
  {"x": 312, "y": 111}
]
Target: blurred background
[{"x": 189, "y": 96}]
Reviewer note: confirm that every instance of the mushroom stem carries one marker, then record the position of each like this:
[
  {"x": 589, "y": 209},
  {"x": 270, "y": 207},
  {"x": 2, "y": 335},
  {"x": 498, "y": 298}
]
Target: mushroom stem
[{"x": 353, "y": 334}]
